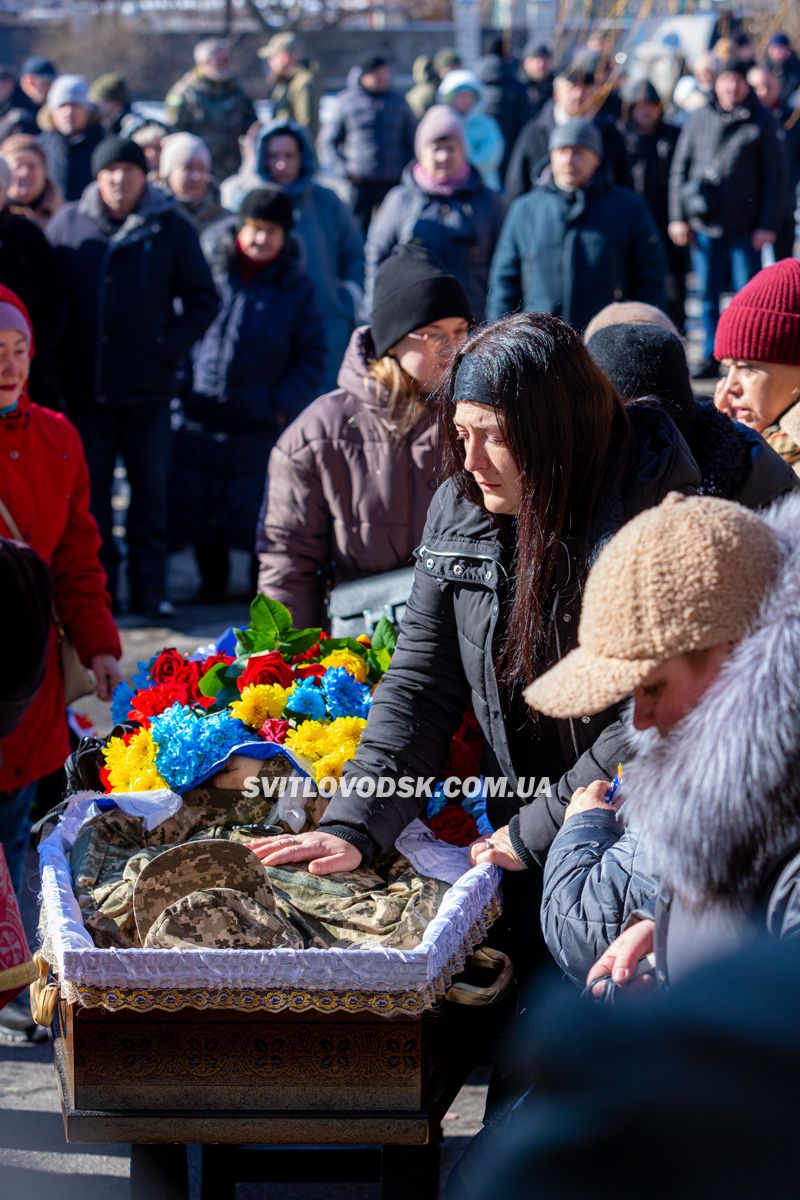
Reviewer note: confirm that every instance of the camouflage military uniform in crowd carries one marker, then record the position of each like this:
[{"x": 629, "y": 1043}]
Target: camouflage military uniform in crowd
[
  {"x": 784, "y": 437},
  {"x": 219, "y": 113},
  {"x": 388, "y": 905},
  {"x": 297, "y": 98}
]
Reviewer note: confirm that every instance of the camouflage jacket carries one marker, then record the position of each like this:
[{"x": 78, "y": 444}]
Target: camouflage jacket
[{"x": 219, "y": 113}]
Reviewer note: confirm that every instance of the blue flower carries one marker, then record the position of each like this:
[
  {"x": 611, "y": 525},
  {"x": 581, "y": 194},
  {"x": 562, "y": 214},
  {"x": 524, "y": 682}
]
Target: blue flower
[
  {"x": 190, "y": 744},
  {"x": 121, "y": 702},
  {"x": 307, "y": 700},
  {"x": 344, "y": 695},
  {"x": 143, "y": 678}
]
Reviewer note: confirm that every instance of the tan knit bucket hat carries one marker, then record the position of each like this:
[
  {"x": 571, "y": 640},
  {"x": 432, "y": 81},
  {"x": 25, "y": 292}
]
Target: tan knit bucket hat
[{"x": 684, "y": 576}]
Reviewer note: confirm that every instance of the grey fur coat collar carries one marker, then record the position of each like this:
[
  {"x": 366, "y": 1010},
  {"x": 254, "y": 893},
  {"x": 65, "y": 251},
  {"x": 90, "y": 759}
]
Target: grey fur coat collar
[{"x": 717, "y": 802}]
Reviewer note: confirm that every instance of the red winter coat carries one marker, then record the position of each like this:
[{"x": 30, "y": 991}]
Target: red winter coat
[{"x": 44, "y": 483}]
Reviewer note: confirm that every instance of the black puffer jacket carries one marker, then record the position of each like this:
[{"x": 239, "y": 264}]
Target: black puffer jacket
[
  {"x": 741, "y": 151},
  {"x": 370, "y": 135},
  {"x": 445, "y": 653}
]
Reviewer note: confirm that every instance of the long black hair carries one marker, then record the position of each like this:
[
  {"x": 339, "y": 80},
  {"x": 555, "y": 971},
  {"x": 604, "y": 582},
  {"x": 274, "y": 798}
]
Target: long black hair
[{"x": 559, "y": 415}]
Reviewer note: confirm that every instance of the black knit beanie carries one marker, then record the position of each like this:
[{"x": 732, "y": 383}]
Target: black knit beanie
[
  {"x": 413, "y": 289},
  {"x": 646, "y": 360},
  {"x": 268, "y": 204},
  {"x": 117, "y": 149}
]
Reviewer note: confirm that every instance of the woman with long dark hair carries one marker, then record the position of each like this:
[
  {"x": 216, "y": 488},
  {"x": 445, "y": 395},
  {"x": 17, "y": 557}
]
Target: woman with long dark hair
[{"x": 545, "y": 463}]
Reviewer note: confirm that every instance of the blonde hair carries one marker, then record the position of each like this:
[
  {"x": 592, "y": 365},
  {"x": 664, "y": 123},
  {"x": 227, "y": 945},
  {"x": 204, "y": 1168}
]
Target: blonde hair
[{"x": 404, "y": 406}]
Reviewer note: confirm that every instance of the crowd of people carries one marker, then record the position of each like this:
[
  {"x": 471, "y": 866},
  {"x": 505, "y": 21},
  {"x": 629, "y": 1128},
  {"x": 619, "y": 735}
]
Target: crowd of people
[{"x": 457, "y": 343}]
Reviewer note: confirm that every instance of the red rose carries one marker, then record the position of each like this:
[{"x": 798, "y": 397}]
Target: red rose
[
  {"x": 204, "y": 701},
  {"x": 314, "y": 652},
  {"x": 310, "y": 670},
  {"x": 105, "y": 779},
  {"x": 190, "y": 678},
  {"x": 266, "y": 668},
  {"x": 151, "y": 701},
  {"x": 274, "y": 730},
  {"x": 168, "y": 666},
  {"x": 454, "y": 825}
]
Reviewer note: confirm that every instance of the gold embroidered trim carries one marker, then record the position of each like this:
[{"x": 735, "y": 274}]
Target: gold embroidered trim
[{"x": 115, "y": 999}]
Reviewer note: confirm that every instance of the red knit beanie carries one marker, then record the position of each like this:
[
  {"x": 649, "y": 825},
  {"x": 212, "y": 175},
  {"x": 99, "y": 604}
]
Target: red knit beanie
[{"x": 762, "y": 321}]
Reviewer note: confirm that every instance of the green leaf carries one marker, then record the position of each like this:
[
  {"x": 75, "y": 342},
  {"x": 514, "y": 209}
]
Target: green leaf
[
  {"x": 384, "y": 636},
  {"x": 343, "y": 644},
  {"x": 298, "y": 641},
  {"x": 270, "y": 616},
  {"x": 378, "y": 661},
  {"x": 212, "y": 682},
  {"x": 244, "y": 642}
]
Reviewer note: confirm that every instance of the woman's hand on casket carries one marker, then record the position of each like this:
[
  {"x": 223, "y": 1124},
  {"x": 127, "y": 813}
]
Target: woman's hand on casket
[
  {"x": 496, "y": 849},
  {"x": 106, "y": 674},
  {"x": 324, "y": 852}
]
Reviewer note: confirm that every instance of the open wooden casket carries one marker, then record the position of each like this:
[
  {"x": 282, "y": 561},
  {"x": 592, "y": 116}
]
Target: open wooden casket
[{"x": 248, "y": 1045}]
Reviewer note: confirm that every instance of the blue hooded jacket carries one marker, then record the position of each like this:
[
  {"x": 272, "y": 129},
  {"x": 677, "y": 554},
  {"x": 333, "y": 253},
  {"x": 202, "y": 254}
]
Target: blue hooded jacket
[{"x": 324, "y": 226}]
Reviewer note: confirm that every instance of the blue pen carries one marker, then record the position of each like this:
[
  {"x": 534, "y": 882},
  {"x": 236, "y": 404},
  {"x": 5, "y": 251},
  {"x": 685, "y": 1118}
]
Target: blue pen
[{"x": 612, "y": 791}]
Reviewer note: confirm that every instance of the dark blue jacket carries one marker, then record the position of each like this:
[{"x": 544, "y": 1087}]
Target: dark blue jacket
[
  {"x": 69, "y": 159},
  {"x": 262, "y": 358},
  {"x": 572, "y": 253},
  {"x": 460, "y": 230},
  {"x": 371, "y": 135},
  {"x": 125, "y": 337}
]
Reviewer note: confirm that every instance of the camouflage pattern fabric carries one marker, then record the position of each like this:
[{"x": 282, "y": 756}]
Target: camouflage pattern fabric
[
  {"x": 106, "y": 857},
  {"x": 223, "y": 918},
  {"x": 218, "y": 112},
  {"x": 388, "y": 905}
]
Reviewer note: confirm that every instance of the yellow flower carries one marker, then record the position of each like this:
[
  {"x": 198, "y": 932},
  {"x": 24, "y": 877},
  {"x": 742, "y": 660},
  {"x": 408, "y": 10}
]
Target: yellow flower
[
  {"x": 327, "y": 744},
  {"x": 352, "y": 662},
  {"x": 348, "y": 727},
  {"x": 330, "y": 767},
  {"x": 260, "y": 702},
  {"x": 132, "y": 768},
  {"x": 308, "y": 739}
]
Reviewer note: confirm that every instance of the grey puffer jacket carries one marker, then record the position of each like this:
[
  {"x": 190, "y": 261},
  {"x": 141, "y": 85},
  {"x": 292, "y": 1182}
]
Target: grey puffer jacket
[
  {"x": 595, "y": 875},
  {"x": 445, "y": 652},
  {"x": 345, "y": 497}
]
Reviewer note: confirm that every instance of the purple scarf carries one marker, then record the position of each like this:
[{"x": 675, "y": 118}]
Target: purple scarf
[{"x": 444, "y": 187}]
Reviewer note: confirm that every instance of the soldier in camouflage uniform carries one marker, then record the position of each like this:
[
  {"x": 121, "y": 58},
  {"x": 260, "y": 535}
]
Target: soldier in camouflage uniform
[
  {"x": 293, "y": 85},
  {"x": 208, "y": 102}
]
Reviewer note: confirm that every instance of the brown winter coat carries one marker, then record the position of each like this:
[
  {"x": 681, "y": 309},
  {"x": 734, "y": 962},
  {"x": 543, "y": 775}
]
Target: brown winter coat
[{"x": 344, "y": 499}]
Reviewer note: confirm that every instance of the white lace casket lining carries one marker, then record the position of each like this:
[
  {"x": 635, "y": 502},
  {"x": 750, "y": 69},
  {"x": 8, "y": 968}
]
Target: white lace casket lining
[{"x": 380, "y": 980}]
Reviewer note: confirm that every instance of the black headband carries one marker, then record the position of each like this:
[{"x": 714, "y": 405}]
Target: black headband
[{"x": 470, "y": 384}]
